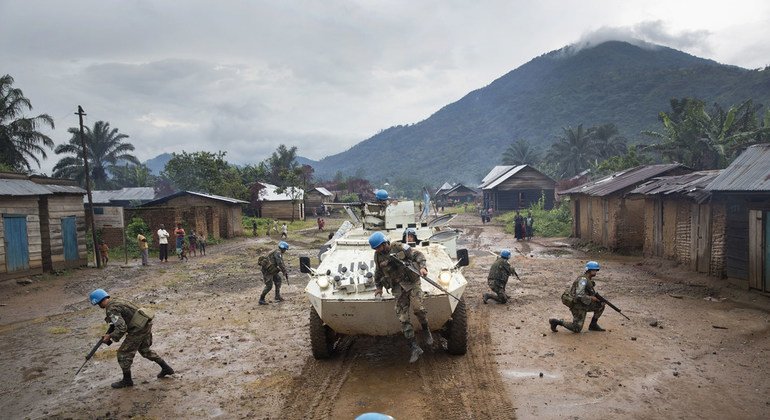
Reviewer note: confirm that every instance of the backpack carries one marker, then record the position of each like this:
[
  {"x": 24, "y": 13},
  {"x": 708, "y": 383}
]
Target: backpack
[{"x": 266, "y": 263}]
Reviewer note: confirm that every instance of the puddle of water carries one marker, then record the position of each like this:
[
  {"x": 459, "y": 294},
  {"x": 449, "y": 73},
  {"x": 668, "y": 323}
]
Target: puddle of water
[{"x": 528, "y": 374}]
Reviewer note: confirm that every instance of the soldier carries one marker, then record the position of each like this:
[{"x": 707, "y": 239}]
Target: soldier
[
  {"x": 580, "y": 299},
  {"x": 272, "y": 267},
  {"x": 136, "y": 324},
  {"x": 498, "y": 278},
  {"x": 404, "y": 284}
]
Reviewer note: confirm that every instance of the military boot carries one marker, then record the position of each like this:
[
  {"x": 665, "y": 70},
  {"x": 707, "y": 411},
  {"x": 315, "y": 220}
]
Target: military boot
[
  {"x": 278, "y": 298},
  {"x": 416, "y": 351},
  {"x": 125, "y": 382},
  {"x": 593, "y": 326},
  {"x": 554, "y": 322},
  {"x": 165, "y": 369},
  {"x": 428, "y": 335},
  {"x": 262, "y": 300},
  {"x": 486, "y": 297}
]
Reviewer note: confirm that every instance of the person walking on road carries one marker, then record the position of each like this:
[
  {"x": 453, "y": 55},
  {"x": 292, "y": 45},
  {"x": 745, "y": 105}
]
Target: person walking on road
[
  {"x": 580, "y": 299},
  {"x": 272, "y": 266},
  {"x": 163, "y": 244},
  {"x": 136, "y": 324},
  {"x": 498, "y": 278},
  {"x": 404, "y": 284}
]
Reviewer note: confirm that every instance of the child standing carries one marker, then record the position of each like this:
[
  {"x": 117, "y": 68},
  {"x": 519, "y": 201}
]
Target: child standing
[
  {"x": 284, "y": 231},
  {"x": 193, "y": 240},
  {"x": 104, "y": 250},
  {"x": 202, "y": 244}
]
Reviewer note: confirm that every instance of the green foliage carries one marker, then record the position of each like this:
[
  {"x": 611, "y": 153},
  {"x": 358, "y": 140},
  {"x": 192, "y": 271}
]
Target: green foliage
[
  {"x": 132, "y": 176},
  {"x": 349, "y": 198},
  {"x": 205, "y": 172},
  {"x": 556, "y": 222},
  {"x": 20, "y": 138},
  {"x": 521, "y": 152},
  {"x": 631, "y": 159},
  {"x": 105, "y": 146},
  {"x": 262, "y": 224},
  {"x": 134, "y": 228}
]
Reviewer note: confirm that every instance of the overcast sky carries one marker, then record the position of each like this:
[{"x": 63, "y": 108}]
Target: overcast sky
[{"x": 246, "y": 76}]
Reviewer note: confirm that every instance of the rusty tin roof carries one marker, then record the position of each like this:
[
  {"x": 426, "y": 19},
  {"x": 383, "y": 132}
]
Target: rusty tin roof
[
  {"x": 749, "y": 172},
  {"x": 621, "y": 180},
  {"x": 692, "y": 185}
]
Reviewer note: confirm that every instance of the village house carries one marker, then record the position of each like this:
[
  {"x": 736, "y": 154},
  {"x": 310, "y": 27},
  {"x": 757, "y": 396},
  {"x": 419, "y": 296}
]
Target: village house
[
  {"x": 287, "y": 205},
  {"x": 678, "y": 218},
  {"x": 507, "y": 188},
  {"x": 603, "y": 215},
  {"x": 43, "y": 225},
  {"x": 213, "y": 215},
  {"x": 458, "y": 193},
  {"x": 108, "y": 210},
  {"x": 740, "y": 197},
  {"x": 315, "y": 199}
]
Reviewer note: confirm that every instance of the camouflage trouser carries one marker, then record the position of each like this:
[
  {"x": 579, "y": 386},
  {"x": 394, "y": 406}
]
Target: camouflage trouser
[
  {"x": 499, "y": 290},
  {"x": 405, "y": 299},
  {"x": 579, "y": 311},
  {"x": 133, "y": 342},
  {"x": 269, "y": 279}
]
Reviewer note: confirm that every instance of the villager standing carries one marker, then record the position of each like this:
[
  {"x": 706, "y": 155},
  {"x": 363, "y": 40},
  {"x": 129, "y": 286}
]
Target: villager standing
[
  {"x": 580, "y": 299},
  {"x": 163, "y": 243},
  {"x": 136, "y": 324},
  {"x": 192, "y": 239},
  {"x": 254, "y": 228},
  {"x": 272, "y": 266},
  {"x": 104, "y": 251},
  {"x": 179, "y": 233},
  {"x": 284, "y": 231},
  {"x": 529, "y": 223},
  {"x": 404, "y": 284},
  {"x": 498, "y": 278},
  {"x": 143, "y": 248},
  {"x": 518, "y": 226}
]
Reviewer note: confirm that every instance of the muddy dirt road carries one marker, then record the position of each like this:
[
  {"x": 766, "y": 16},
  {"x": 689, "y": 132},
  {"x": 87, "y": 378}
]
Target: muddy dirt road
[{"x": 705, "y": 357}]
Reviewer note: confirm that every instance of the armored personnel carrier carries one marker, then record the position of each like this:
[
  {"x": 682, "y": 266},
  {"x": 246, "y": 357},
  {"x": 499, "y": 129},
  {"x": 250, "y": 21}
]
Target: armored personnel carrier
[{"x": 341, "y": 289}]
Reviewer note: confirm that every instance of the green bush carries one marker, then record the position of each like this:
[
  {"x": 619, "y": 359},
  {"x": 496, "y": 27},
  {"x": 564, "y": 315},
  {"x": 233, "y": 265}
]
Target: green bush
[
  {"x": 133, "y": 229},
  {"x": 556, "y": 222}
]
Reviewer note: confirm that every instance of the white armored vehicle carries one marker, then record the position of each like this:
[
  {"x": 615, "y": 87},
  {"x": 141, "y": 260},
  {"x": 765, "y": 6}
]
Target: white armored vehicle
[{"x": 341, "y": 289}]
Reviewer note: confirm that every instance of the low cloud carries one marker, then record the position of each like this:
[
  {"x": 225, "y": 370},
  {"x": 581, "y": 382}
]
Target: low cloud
[{"x": 648, "y": 34}]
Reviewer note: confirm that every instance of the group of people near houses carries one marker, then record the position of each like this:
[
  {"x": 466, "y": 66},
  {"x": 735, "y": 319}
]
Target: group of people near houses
[
  {"x": 195, "y": 244},
  {"x": 523, "y": 227}
]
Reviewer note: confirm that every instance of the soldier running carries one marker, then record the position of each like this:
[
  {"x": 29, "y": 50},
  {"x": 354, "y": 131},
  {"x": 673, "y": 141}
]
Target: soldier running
[
  {"x": 404, "y": 284},
  {"x": 272, "y": 268},
  {"x": 498, "y": 278},
  {"x": 136, "y": 324},
  {"x": 580, "y": 299}
]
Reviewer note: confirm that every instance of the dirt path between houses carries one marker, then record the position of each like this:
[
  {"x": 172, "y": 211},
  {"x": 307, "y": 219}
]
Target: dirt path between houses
[{"x": 705, "y": 356}]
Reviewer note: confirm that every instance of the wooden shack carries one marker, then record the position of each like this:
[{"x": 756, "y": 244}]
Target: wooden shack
[
  {"x": 507, "y": 188},
  {"x": 461, "y": 194},
  {"x": 679, "y": 221},
  {"x": 315, "y": 199},
  {"x": 287, "y": 205},
  {"x": 214, "y": 215},
  {"x": 108, "y": 210},
  {"x": 742, "y": 191},
  {"x": 43, "y": 225},
  {"x": 602, "y": 214}
]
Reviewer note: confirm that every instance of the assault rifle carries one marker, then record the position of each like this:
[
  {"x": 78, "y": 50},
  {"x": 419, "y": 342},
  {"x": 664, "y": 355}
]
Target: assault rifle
[
  {"x": 429, "y": 280},
  {"x": 602, "y": 299},
  {"x": 96, "y": 347}
]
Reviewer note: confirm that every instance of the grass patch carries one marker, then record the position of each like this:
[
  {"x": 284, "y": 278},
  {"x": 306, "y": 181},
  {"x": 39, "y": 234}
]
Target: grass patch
[{"x": 556, "y": 222}]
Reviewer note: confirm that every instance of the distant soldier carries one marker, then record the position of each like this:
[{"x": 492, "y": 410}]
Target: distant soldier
[
  {"x": 498, "y": 278},
  {"x": 404, "y": 284},
  {"x": 580, "y": 299},
  {"x": 136, "y": 324},
  {"x": 272, "y": 266}
]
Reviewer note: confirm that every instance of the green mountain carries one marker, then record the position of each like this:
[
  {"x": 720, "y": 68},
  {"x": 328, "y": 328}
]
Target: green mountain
[
  {"x": 158, "y": 163},
  {"x": 613, "y": 82}
]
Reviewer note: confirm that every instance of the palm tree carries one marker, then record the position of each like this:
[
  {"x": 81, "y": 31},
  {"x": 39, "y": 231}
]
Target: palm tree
[
  {"x": 521, "y": 152},
  {"x": 573, "y": 152},
  {"x": 20, "y": 140},
  {"x": 607, "y": 141},
  {"x": 105, "y": 149}
]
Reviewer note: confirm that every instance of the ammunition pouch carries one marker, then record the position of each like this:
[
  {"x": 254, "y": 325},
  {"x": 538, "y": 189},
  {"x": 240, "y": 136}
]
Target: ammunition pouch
[
  {"x": 567, "y": 300},
  {"x": 141, "y": 318}
]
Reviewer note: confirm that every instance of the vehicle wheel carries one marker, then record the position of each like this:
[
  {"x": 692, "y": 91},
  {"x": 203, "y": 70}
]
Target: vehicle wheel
[
  {"x": 457, "y": 333},
  {"x": 321, "y": 337}
]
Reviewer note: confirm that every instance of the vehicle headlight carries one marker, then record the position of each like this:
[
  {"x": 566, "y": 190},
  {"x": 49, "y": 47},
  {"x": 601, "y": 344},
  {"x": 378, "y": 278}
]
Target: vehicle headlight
[
  {"x": 323, "y": 282},
  {"x": 444, "y": 277}
]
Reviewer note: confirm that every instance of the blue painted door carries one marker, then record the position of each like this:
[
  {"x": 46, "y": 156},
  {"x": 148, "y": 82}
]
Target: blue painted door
[
  {"x": 69, "y": 237},
  {"x": 16, "y": 243}
]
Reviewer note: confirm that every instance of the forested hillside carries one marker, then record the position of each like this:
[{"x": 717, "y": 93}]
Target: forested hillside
[{"x": 614, "y": 82}]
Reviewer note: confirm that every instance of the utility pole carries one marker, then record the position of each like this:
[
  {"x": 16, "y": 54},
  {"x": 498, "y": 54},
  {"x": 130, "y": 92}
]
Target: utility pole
[{"x": 90, "y": 213}]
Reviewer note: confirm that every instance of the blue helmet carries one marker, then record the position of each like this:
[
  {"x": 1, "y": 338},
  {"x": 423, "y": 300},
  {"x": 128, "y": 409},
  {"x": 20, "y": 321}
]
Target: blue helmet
[
  {"x": 374, "y": 416},
  {"x": 506, "y": 253},
  {"x": 97, "y": 296},
  {"x": 381, "y": 195},
  {"x": 377, "y": 239},
  {"x": 411, "y": 231},
  {"x": 283, "y": 245},
  {"x": 592, "y": 265}
]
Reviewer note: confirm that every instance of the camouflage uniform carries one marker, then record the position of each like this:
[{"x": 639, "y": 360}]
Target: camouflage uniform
[
  {"x": 498, "y": 279},
  {"x": 578, "y": 299},
  {"x": 273, "y": 274},
  {"x": 119, "y": 313},
  {"x": 404, "y": 283}
]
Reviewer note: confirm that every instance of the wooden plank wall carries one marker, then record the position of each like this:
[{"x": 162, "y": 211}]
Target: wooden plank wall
[
  {"x": 60, "y": 206},
  {"x": 27, "y": 206}
]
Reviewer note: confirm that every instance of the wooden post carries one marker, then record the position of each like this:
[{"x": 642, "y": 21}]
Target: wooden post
[{"x": 90, "y": 212}]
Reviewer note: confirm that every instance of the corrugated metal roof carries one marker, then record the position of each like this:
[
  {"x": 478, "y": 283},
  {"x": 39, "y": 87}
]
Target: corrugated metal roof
[
  {"x": 692, "y": 185},
  {"x": 22, "y": 187},
  {"x": 499, "y": 174},
  {"x": 64, "y": 189},
  {"x": 269, "y": 193},
  {"x": 458, "y": 186},
  {"x": 749, "y": 172},
  {"x": 181, "y": 193},
  {"x": 124, "y": 194},
  {"x": 324, "y": 191},
  {"x": 623, "y": 179}
]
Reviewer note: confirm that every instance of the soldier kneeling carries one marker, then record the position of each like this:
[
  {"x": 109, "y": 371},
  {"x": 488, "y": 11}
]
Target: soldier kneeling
[{"x": 580, "y": 299}]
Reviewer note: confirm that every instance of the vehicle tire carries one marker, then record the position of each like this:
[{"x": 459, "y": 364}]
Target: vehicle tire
[
  {"x": 457, "y": 333},
  {"x": 320, "y": 337}
]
